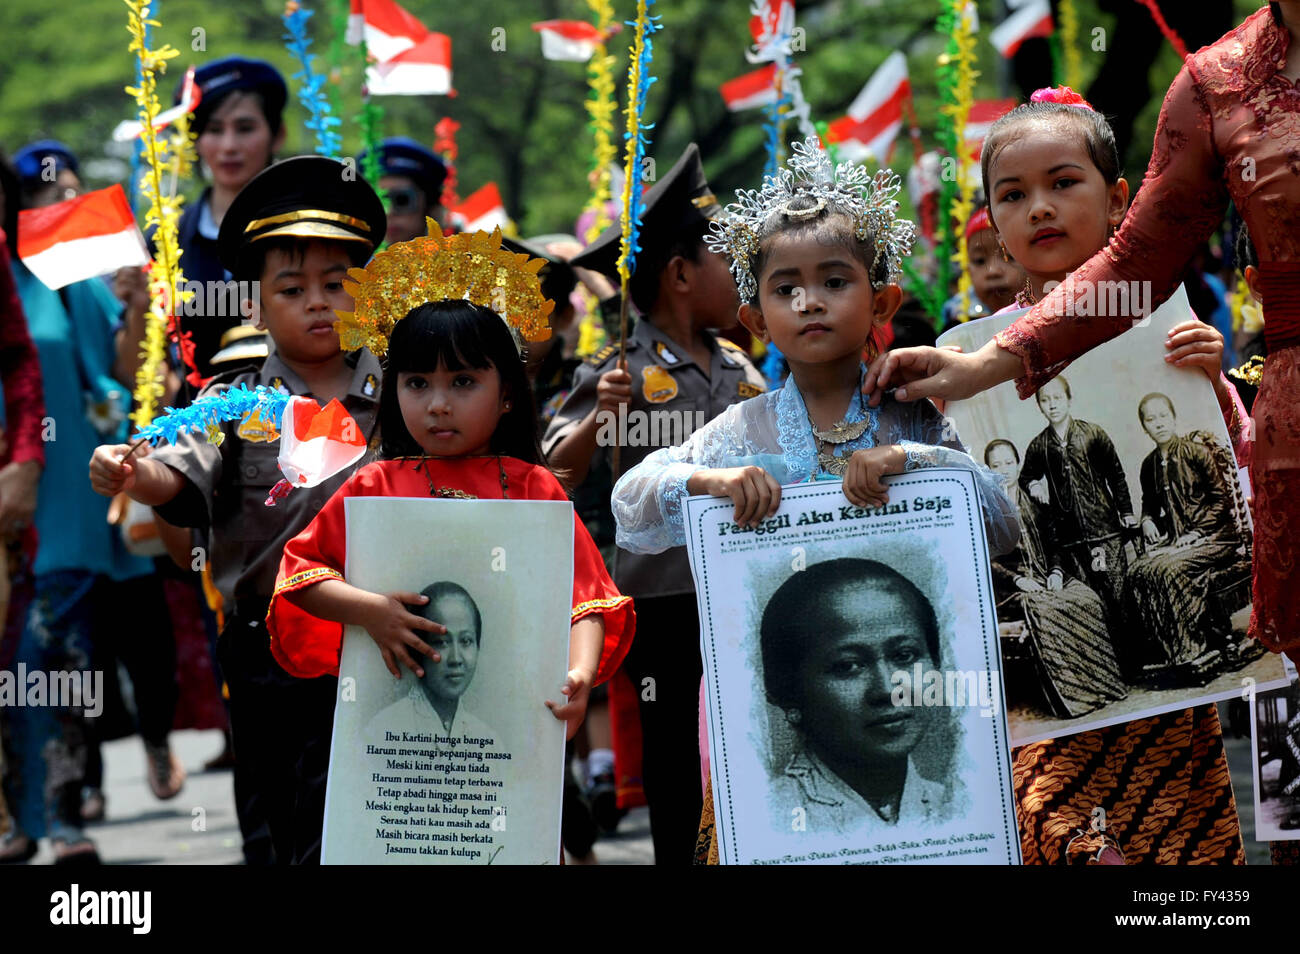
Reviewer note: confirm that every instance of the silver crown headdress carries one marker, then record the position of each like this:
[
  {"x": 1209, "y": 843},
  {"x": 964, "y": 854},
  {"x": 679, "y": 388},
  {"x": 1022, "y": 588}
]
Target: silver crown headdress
[{"x": 809, "y": 174}]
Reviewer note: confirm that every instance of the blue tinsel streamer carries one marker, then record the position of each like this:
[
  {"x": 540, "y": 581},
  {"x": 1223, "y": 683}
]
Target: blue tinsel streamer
[
  {"x": 772, "y": 129},
  {"x": 234, "y": 404},
  {"x": 632, "y": 244},
  {"x": 311, "y": 92}
]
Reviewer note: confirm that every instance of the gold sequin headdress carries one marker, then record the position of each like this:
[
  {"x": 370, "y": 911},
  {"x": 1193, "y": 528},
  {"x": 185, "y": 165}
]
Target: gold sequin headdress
[{"x": 471, "y": 266}]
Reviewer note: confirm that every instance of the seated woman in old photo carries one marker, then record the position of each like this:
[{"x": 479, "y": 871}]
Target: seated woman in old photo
[
  {"x": 1063, "y": 618},
  {"x": 832, "y": 637},
  {"x": 1191, "y": 537}
]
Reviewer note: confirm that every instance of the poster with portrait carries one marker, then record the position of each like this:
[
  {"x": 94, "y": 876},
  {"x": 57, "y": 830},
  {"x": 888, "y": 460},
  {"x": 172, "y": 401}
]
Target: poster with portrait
[
  {"x": 466, "y": 765},
  {"x": 1130, "y": 592},
  {"x": 1275, "y": 743},
  {"x": 855, "y": 709}
]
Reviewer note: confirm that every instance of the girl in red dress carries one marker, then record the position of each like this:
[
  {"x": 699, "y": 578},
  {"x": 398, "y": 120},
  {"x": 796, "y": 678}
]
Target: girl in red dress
[
  {"x": 1051, "y": 173},
  {"x": 457, "y": 420}
]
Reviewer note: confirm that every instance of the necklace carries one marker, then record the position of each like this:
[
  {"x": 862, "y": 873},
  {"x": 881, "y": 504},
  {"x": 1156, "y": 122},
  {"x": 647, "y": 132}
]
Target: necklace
[
  {"x": 1026, "y": 297},
  {"x": 840, "y": 432},
  {"x": 422, "y": 463}
]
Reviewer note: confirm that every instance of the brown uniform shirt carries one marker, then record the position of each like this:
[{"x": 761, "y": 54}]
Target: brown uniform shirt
[
  {"x": 228, "y": 484},
  {"x": 671, "y": 399}
]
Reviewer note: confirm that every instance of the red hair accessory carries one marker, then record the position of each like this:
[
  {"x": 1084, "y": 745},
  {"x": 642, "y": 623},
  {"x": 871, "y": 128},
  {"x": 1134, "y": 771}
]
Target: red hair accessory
[
  {"x": 1061, "y": 94},
  {"x": 978, "y": 223}
]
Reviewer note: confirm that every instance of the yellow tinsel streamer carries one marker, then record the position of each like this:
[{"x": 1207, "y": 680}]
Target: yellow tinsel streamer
[
  {"x": 963, "y": 59},
  {"x": 631, "y": 174},
  {"x": 1068, "y": 19},
  {"x": 164, "y": 212},
  {"x": 602, "y": 107}
]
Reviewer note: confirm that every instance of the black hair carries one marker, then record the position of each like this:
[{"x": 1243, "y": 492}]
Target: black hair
[
  {"x": 828, "y": 226},
  {"x": 251, "y": 260},
  {"x": 643, "y": 286},
  {"x": 1244, "y": 250},
  {"x": 1064, "y": 383},
  {"x": 203, "y": 112},
  {"x": 12, "y": 191},
  {"x": 558, "y": 282},
  {"x": 912, "y": 327},
  {"x": 444, "y": 589},
  {"x": 798, "y": 614},
  {"x": 1000, "y": 442},
  {"x": 1155, "y": 396},
  {"x": 457, "y": 335},
  {"x": 1097, "y": 136}
]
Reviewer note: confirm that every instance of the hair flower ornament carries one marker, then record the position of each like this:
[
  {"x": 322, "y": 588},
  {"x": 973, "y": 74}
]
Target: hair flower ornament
[
  {"x": 1062, "y": 95},
  {"x": 809, "y": 184}
]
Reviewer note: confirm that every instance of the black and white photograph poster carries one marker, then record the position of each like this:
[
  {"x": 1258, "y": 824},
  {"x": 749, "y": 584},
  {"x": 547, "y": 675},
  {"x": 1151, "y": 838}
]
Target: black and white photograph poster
[
  {"x": 1275, "y": 739},
  {"x": 1130, "y": 592},
  {"x": 465, "y": 765},
  {"x": 855, "y": 708}
]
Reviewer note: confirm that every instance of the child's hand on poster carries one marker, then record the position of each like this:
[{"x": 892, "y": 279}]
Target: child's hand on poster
[
  {"x": 754, "y": 491},
  {"x": 577, "y": 688},
  {"x": 863, "y": 483},
  {"x": 1194, "y": 344},
  {"x": 392, "y": 626}
]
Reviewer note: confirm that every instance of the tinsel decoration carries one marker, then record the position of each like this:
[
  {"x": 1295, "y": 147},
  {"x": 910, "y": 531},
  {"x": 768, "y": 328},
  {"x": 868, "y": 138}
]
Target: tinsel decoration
[
  {"x": 1067, "y": 19},
  {"x": 312, "y": 85},
  {"x": 369, "y": 119},
  {"x": 956, "y": 75},
  {"x": 259, "y": 411},
  {"x": 1174, "y": 39},
  {"x": 639, "y": 82},
  {"x": 601, "y": 107},
  {"x": 444, "y": 144},
  {"x": 773, "y": 45},
  {"x": 163, "y": 212}
]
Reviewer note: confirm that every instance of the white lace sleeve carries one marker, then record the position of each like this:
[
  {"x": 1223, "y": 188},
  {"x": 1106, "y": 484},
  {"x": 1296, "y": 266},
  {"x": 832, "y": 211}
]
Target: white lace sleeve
[
  {"x": 931, "y": 441},
  {"x": 647, "y": 500}
]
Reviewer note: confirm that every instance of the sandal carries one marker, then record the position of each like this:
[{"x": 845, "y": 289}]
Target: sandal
[
  {"x": 166, "y": 774},
  {"x": 17, "y": 849},
  {"x": 80, "y": 853}
]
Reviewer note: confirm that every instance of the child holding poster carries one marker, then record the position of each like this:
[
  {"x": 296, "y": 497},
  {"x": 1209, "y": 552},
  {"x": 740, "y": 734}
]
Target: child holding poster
[
  {"x": 457, "y": 421},
  {"x": 1051, "y": 172},
  {"x": 816, "y": 255}
]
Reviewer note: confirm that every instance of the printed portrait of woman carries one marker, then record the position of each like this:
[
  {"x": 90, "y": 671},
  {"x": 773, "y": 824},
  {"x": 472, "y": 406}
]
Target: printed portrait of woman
[{"x": 832, "y": 639}]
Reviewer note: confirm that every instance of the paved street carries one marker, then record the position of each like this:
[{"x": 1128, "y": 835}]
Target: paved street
[{"x": 198, "y": 827}]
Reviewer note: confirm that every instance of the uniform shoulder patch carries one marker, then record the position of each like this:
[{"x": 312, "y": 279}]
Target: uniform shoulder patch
[
  {"x": 601, "y": 356},
  {"x": 732, "y": 346},
  {"x": 747, "y": 390}
]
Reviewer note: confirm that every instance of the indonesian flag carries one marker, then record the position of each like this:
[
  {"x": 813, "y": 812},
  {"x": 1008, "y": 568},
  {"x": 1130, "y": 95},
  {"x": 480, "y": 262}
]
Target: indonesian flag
[
  {"x": 80, "y": 238},
  {"x": 983, "y": 113},
  {"x": 756, "y": 88},
  {"x": 316, "y": 444},
  {"x": 482, "y": 211},
  {"x": 410, "y": 60},
  {"x": 191, "y": 93},
  {"x": 875, "y": 117},
  {"x": 776, "y": 17},
  {"x": 571, "y": 40},
  {"x": 1033, "y": 18}
]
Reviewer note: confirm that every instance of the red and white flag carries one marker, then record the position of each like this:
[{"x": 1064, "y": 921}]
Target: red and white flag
[
  {"x": 571, "y": 40},
  {"x": 776, "y": 18},
  {"x": 875, "y": 116},
  {"x": 316, "y": 443},
  {"x": 983, "y": 113},
  {"x": 79, "y": 238},
  {"x": 756, "y": 88},
  {"x": 482, "y": 211},
  {"x": 410, "y": 60},
  {"x": 1032, "y": 18},
  {"x": 191, "y": 93}
]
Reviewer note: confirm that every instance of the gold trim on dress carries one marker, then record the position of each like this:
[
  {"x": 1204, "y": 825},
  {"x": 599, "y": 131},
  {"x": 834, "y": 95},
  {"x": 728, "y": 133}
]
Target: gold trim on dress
[
  {"x": 598, "y": 604},
  {"x": 323, "y": 572}
]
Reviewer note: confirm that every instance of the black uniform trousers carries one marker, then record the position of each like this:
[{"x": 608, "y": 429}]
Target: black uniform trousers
[
  {"x": 665, "y": 667},
  {"x": 280, "y": 728}
]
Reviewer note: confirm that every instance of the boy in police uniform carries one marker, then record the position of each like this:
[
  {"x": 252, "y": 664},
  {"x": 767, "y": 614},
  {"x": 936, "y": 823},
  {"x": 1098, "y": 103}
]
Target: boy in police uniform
[
  {"x": 675, "y": 363},
  {"x": 296, "y": 228}
]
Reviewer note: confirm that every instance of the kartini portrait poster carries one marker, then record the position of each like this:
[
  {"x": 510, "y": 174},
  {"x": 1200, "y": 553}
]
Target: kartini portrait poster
[
  {"x": 854, "y": 702},
  {"x": 1130, "y": 592},
  {"x": 463, "y": 766}
]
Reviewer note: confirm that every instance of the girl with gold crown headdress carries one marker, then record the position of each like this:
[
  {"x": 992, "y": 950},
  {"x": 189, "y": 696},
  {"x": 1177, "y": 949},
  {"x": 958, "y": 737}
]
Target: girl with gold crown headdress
[{"x": 457, "y": 421}]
